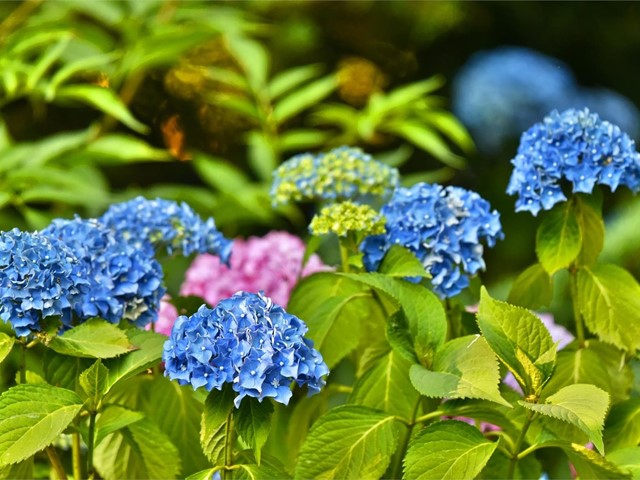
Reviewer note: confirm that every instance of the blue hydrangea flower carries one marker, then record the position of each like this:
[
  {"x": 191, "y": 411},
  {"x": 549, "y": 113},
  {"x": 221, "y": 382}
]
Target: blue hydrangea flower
[
  {"x": 167, "y": 224},
  {"x": 344, "y": 173},
  {"x": 499, "y": 93},
  {"x": 573, "y": 146},
  {"x": 125, "y": 280},
  {"x": 443, "y": 227},
  {"x": 248, "y": 341},
  {"x": 39, "y": 277}
]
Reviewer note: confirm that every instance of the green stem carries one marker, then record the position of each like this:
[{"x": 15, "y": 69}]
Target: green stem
[
  {"x": 344, "y": 255},
  {"x": 55, "y": 463},
  {"x": 576, "y": 306},
  {"x": 431, "y": 416},
  {"x": 396, "y": 471},
  {"x": 518, "y": 445},
  {"x": 92, "y": 433},
  {"x": 75, "y": 456},
  {"x": 23, "y": 362},
  {"x": 229, "y": 443}
]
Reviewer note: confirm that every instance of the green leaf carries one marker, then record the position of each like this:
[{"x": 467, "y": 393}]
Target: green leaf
[
  {"x": 217, "y": 410},
  {"x": 520, "y": 340},
  {"x": 114, "y": 418},
  {"x": 63, "y": 371},
  {"x": 558, "y": 239},
  {"x": 82, "y": 65},
  {"x": 590, "y": 465},
  {"x": 118, "y": 149},
  {"x": 6, "y": 344},
  {"x": 406, "y": 94},
  {"x": 400, "y": 262},
  {"x": 104, "y": 100},
  {"x": 94, "y": 338},
  {"x": 31, "y": 418},
  {"x": 609, "y": 299},
  {"x": 386, "y": 387},
  {"x": 448, "y": 450},
  {"x": 203, "y": 474},
  {"x": 450, "y": 126},
  {"x": 533, "y": 288},
  {"x": 399, "y": 337},
  {"x": 262, "y": 155},
  {"x": 253, "y": 422},
  {"x": 462, "y": 368},
  {"x": 349, "y": 441},
  {"x": 592, "y": 228},
  {"x": 628, "y": 460},
  {"x": 285, "y": 81},
  {"x": 498, "y": 467},
  {"x": 622, "y": 428},
  {"x": 219, "y": 174},
  {"x": 141, "y": 450},
  {"x": 252, "y": 57},
  {"x": 304, "y": 98},
  {"x": 582, "y": 405},
  {"x": 249, "y": 469},
  {"x": 302, "y": 139},
  {"x": 424, "y": 312},
  {"x": 94, "y": 382},
  {"x": 148, "y": 354}
]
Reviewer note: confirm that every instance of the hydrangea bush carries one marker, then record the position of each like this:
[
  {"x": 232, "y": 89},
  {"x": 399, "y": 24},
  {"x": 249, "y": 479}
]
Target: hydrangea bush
[{"x": 396, "y": 362}]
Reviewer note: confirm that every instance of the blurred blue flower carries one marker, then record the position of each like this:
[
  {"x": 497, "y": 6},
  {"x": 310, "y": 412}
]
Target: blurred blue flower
[
  {"x": 166, "y": 224},
  {"x": 344, "y": 173},
  {"x": 248, "y": 341},
  {"x": 443, "y": 227},
  {"x": 575, "y": 146},
  {"x": 499, "y": 93},
  {"x": 40, "y": 277},
  {"x": 125, "y": 280}
]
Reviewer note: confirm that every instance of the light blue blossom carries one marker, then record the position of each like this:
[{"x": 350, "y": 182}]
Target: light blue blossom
[
  {"x": 248, "y": 341},
  {"x": 40, "y": 277},
  {"x": 499, "y": 93},
  {"x": 443, "y": 227},
  {"x": 344, "y": 173},
  {"x": 125, "y": 280},
  {"x": 166, "y": 224},
  {"x": 575, "y": 147}
]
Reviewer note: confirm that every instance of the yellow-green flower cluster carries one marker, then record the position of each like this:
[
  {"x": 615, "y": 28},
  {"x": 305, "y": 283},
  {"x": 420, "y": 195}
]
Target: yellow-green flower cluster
[
  {"x": 346, "y": 217},
  {"x": 344, "y": 173}
]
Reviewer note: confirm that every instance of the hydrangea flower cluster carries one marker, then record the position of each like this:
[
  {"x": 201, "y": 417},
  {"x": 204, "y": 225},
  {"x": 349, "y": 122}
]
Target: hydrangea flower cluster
[
  {"x": 272, "y": 263},
  {"x": 344, "y": 173},
  {"x": 500, "y": 93},
  {"x": 125, "y": 281},
  {"x": 248, "y": 341},
  {"x": 575, "y": 146},
  {"x": 346, "y": 217},
  {"x": 443, "y": 227},
  {"x": 167, "y": 224},
  {"x": 39, "y": 278}
]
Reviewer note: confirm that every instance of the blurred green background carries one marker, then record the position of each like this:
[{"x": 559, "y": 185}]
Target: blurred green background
[{"x": 199, "y": 101}]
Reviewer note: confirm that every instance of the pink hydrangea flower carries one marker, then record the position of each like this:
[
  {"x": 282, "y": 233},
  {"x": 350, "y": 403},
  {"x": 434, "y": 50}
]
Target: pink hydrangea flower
[{"x": 166, "y": 317}]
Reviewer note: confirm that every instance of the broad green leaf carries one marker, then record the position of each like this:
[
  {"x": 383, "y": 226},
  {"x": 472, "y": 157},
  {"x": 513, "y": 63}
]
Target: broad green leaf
[
  {"x": 558, "y": 239},
  {"x": 302, "y": 139},
  {"x": 424, "y": 312},
  {"x": 622, "y": 428},
  {"x": 31, "y": 418},
  {"x": 248, "y": 468},
  {"x": 114, "y": 418},
  {"x": 118, "y": 148},
  {"x": 140, "y": 450},
  {"x": 399, "y": 338},
  {"x": 262, "y": 154},
  {"x": 609, "y": 299},
  {"x": 349, "y": 441},
  {"x": 303, "y": 98},
  {"x": 94, "y": 338},
  {"x": 498, "y": 467},
  {"x": 582, "y": 405},
  {"x": 253, "y": 422},
  {"x": 203, "y": 474},
  {"x": 533, "y": 288},
  {"x": 18, "y": 471},
  {"x": 485, "y": 411},
  {"x": 64, "y": 371},
  {"x": 149, "y": 353},
  {"x": 285, "y": 81},
  {"x": 94, "y": 382},
  {"x": 628, "y": 460},
  {"x": 592, "y": 228},
  {"x": 6, "y": 344},
  {"x": 400, "y": 262},
  {"x": 219, "y": 174},
  {"x": 463, "y": 368},
  {"x": 590, "y": 465},
  {"x": 386, "y": 387},
  {"x": 104, "y": 100},
  {"x": 215, "y": 418},
  {"x": 447, "y": 450},
  {"x": 520, "y": 340}
]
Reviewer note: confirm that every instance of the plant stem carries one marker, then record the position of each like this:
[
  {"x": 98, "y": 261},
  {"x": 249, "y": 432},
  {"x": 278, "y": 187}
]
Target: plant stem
[
  {"x": 75, "y": 456},
  {"x": 23, "y": 363},
  {"x": 518, "y": 444},
  {"x": 396, "y": 471},
  {"x": 55, "y": 462},
  {"x": 229, "y": 441},
  {"x": 430, "y": 416},
  {"x": 576, "y": 306},
  {"x": 344, "y": 255},
  {"x": 92, "y": 433}
]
